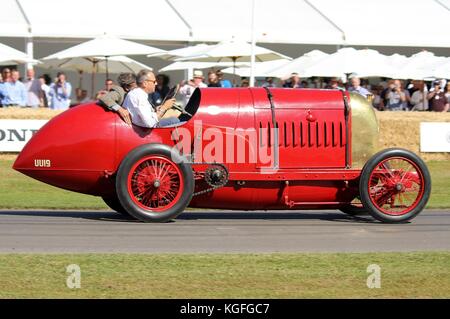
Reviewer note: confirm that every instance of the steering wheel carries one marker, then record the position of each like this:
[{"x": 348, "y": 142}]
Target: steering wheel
[{"x": 178, "y": 107}]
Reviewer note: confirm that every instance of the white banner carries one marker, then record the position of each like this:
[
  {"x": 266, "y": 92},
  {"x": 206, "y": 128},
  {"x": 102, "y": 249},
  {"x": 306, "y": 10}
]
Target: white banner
[
  {"x": 14, "y": 134},
  {"x": 435, "y": 137}
]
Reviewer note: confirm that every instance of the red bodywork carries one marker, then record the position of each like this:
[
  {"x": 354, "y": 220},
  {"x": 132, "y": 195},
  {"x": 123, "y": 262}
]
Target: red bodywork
[{"x": 82, "y": 148}]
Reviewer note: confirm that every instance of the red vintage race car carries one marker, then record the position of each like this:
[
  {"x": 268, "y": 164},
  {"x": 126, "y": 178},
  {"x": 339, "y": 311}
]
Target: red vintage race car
[{"x": 243, "y": 148}]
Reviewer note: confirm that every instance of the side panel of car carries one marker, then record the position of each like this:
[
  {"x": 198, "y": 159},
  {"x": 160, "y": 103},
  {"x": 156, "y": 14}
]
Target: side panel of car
[{"x": 311, "y": 128}]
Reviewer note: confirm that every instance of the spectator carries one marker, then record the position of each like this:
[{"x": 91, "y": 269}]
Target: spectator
[
  {"x": 376, "y": 101},
  {"x": 335, "y": 84},
  {"x": 419, "y": 101},
  {"x": 383, "y": 95},
  {"x": 33, "y": 88},
  {"x": 6, "y": 75},
  {"x": 355, "y": 86},
  {"x": 60, "y": 93},
  {"x": 13, "y": 92},
  {"x": 223, "y": 83},
  {"x": 213, "y": 80},
  {"x": 188, "y": 88},
  {"x": 383, "y": 84},
  {"x": 304, "y": 84},
  {"x": 411, "y": 87},
  {"x": 44, "y": 96},
  {"x": 162, "y": 88},
  {"x": 437, "y": 99},
  {"x": 245, "y": 83},
  {"x": 447, "y": 91},
  {"x": 397, "y": 97},
  {"x": 294, "y": 82},
  {"x": 108, "y": 85},
  {"x": 268, "y": 83},
  {"x": 1, "y": 87},
  {"x": 84, "y": 97}
]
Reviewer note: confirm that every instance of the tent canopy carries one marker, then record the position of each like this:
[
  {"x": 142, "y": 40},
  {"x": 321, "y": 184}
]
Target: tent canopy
[
  {"x": 105, "y": 46},
  {"x": 10, "y": 55},
  {"x": 350, "y": 22}
]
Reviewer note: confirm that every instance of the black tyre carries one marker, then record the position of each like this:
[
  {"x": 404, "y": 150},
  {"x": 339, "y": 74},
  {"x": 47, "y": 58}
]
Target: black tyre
[
  {"x": 395, "y": 185},
  {"x": 354, "y": 210},
  {"x": 114, "y": 203},
  {"x": 154, "y": 183}
]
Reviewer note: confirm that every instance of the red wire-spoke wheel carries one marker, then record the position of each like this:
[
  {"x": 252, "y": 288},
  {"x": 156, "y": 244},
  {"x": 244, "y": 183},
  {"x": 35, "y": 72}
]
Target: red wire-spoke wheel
[
  {"x": 395, "y": 185},
  {"x": 154, "y": 183}
]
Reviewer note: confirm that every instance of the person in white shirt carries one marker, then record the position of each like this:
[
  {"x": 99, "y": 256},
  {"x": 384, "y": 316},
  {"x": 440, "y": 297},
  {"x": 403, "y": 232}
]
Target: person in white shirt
[
  {"x": 142, "y": 112},
  {"x": 33, "y": 88},
  {"x": 45, "y": 98},
  {"x": 419, "y": 99},
  {"x": 187, "y": 88}
]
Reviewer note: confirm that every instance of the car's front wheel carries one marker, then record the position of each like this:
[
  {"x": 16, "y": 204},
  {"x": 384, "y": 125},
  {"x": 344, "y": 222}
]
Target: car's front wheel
[
  {"x": 395, "y": 185},
  {"x": 154, "y": 183}
]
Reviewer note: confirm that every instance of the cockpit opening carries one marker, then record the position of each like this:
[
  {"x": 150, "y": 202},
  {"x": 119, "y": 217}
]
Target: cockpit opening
[{"x": 191, "y": 107}]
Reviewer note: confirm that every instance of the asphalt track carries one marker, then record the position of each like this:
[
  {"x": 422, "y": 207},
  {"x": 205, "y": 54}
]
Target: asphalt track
[{"x": 219, "y": 231}]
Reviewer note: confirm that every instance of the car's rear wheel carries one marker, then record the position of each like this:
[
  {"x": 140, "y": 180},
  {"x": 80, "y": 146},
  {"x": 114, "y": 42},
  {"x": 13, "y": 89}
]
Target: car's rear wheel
[
  {"x": 114, "y": 203},
  {"x": 154, "y": 183},
  {"x": 395, "y": 185}
]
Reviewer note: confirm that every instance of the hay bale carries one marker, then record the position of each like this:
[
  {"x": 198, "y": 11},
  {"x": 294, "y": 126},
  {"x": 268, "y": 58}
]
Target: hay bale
[
  {"x": 402, "y": 129},
  {"x": 8, "y": 156},
  {"x": 28, "y": 113}
]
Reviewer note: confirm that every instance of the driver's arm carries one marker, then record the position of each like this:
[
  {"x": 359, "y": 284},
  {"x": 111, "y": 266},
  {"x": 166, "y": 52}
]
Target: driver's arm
[{"x": 111, "y": 100}]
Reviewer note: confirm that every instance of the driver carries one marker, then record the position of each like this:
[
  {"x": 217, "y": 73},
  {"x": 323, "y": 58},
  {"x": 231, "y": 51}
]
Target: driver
[{"x": 142, "y": 112}]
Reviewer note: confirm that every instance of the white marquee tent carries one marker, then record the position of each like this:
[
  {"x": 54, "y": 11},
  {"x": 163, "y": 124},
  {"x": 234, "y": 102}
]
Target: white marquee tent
[
  {"x": 393, "y": 24},
  {"x": 423, "y": 23}
]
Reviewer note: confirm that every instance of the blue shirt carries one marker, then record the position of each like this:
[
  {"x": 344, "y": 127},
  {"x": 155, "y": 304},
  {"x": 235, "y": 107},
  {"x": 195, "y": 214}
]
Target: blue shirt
[
  {"x": 13, "y": 93},
  {"x": 60, "y": 100},
  {"x": 362, "y": 91},
  {"x": 226, "y": 84}
]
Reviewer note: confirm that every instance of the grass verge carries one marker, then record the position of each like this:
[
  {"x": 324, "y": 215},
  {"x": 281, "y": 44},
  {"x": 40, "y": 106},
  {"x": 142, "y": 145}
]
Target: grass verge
[
  {"x": 21, "y": 192},
  {"x": 342, "y": 275}
]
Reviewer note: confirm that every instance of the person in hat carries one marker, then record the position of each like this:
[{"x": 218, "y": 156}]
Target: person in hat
[
  {"x": 437, "y": 99},
  {"x": 199, "y": 79},
  {"x": 113, "y": 99},
  {"x": 188, "y": 88}
]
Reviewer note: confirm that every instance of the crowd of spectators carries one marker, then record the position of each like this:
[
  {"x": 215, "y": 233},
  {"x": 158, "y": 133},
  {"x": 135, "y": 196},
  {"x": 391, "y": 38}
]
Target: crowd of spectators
[
  {"x": 33, "y": 92},
  {"x": 385, "y": 95}
]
